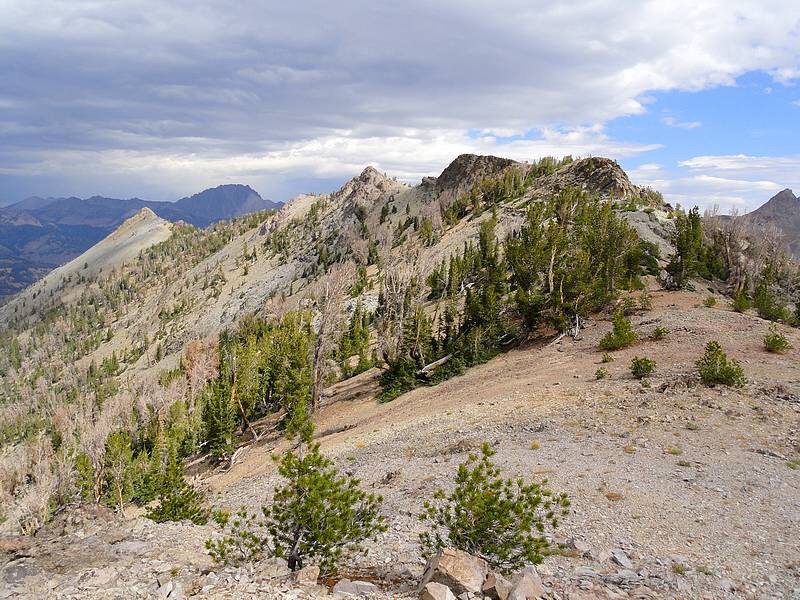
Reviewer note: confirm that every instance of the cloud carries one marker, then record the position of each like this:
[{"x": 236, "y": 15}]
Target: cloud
[
  {"x": 728, "y": 181},
  {"x": 102, "y": 93},
  {"x": 670, "y": 121},
  {"x": 407, "y": 154}
]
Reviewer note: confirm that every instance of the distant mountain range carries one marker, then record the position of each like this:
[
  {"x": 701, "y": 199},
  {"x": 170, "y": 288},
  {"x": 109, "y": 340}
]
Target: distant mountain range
[
  {"x": 782, "y": 211},
  {"x": 39, "y": 234}
]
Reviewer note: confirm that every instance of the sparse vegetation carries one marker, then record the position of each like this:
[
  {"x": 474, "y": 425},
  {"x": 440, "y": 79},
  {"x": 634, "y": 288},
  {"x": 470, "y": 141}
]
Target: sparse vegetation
[
  {"x": 318, "y": 514},
  {"x": 741, "y": 303},
  {"x": 601, "y": 373},
  {"x": 710, "y": 301},
  {"x": 622, "y": 334},
  {"x": 500, "y": 520},
  {"x": 775, "y": 341},
  {"x": 642, "y": 367},
  {"x": 715, "y": 368},
  {"x": 659, "y": 333}
]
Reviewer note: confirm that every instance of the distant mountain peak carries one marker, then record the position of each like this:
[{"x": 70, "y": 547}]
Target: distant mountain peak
[
  {"x": 784, "y": 203},
  {"x": 782, "y": 211}
]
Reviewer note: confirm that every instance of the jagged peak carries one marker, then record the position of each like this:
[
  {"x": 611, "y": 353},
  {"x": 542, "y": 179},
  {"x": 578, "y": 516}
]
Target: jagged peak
[
  {"x": 143, "y": 217},
  {"x": 368, "y": 185},
  {"x": 596, "y": 174},
  {"x": 786, "y": 195},
  {"x": 466, "y": 168},
  {"x": 370, "y": 173}
]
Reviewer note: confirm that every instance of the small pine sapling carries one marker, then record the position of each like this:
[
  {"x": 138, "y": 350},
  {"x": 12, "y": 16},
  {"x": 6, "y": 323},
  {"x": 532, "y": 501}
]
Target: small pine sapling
[
  {"x": 503, "y": 521},
  {"x": 715, "y": 368}
]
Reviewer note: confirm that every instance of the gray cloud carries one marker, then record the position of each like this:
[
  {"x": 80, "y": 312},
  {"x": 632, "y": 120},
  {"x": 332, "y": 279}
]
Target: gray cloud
[{"x": 160, "y": 98}]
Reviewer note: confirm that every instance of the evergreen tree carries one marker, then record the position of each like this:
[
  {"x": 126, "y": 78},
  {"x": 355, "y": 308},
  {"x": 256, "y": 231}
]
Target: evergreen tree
[
  {"x": 177, "y": 500},
  {"x": 688, "y": 242},
  {"x": 319, "y": 514},
  {"x": 503, "y": 521},
  {"x": 219, "y": 415},
  {"x": 118, "y": 463}
]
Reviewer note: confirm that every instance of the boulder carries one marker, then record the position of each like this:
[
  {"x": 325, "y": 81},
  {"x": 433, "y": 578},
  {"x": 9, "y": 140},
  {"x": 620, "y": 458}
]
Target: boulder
[
  {"x": 496, "y": 587},
  {"x": 308, "y": 574},
  {"x": 621, "y": 558},
  {"x": 527, "y": 585},
  {"x": 274, "y": 568},
  {"x": 355, "y": 588},
  {"x": 436, "y": 591},
  {"x": 459, "y": 571}
]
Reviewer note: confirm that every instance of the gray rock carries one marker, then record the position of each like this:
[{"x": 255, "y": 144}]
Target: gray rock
[
  {"x": 165, "y": 590},
  {"x": 274, "y": 568},
  {"x": 457, "y": 570},
  {"x": 496, "y": 587},
  {"x": 618, "y": 555},
  {"x": 436, "y": 591},
  {"x": 356, "y": 588},
  {"x": 308, "y": 574},
  {"x": 527, "y": 585},
  {"x": 727, "y": 585}
]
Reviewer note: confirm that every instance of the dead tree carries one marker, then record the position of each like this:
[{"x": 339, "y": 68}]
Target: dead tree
[{"x": 328, "y": 296}]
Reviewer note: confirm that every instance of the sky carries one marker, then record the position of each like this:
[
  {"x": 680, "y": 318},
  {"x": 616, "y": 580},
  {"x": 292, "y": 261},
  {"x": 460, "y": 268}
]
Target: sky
[{"x": 699, "y": 99}]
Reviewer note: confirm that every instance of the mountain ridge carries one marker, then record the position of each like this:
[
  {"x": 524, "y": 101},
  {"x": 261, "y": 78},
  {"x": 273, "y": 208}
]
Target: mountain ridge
[{"x": 40, "y": 234}]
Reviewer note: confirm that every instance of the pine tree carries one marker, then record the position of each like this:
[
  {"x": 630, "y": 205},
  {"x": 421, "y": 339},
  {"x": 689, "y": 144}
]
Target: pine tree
[
  {"x": 503, "y": 521},
  {"x": 118, "y": 463},
  {"x": 219, "y": 415},
  {"x": 688, "y": 242},
  {"x": 319, "y": 514},
  {"x": 178, "y": 500}
]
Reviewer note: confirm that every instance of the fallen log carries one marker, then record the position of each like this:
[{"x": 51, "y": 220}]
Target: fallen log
[{"x": 435, "y": 364}]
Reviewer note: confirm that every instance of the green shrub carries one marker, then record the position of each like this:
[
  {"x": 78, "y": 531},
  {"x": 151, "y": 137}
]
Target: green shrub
[
  {"x": 317, "y": 515},
  {"x": 741, "y": 303},
  {"x": 767, "y": 303},
  {"x": 601, "y": 373},
  {"x": 621, "y": 336},
  {"x": 177, "y": 500},
  {"x": 642, "y": 367},
  {"x": 243, "y": 538},
  {"x": 628, "y": 306},
  {"x": 775, "y": 341},
  {"x": 607, "y": 358},
  {"x": 645, "y": 300},
  {"x": 715, "y": 368},
  {"x": 503, "y": 521},
  {"x": 659, "y": 333},
  {"x": 710, "y": 301}
]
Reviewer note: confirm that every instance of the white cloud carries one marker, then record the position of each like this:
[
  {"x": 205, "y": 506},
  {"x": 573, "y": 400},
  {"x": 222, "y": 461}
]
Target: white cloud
[
  {"x": 408, "y": 155},
  {"x": 728, "y": 181},
  {"x": 181, "y": 90},
  {"x": 670, "y": 121}
]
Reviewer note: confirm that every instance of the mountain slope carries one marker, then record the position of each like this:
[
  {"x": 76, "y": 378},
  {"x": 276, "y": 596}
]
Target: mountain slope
[
  {"x": 783, "y": 212},
  {"x": 39, "y": 234},
  {"x": 139, "y": 232},
  {"x": 611, "y": 442}
]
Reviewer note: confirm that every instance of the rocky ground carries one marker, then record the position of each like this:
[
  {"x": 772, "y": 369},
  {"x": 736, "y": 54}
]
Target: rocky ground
[{"x": 678, "y": 490}]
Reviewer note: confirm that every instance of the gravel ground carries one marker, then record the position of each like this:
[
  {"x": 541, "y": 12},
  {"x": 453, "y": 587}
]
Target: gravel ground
[{"x": 677, "y": 490}]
